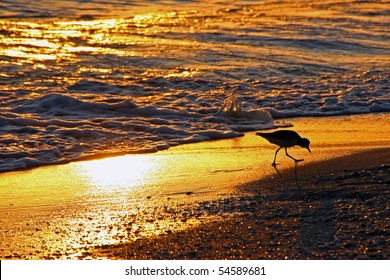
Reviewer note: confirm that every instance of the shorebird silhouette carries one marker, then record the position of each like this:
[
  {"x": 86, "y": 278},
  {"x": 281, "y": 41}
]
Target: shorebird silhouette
[{"x": 285, "y": 139}]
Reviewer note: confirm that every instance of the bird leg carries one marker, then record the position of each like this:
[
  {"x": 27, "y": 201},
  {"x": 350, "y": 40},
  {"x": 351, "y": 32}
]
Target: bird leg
[
  {"x": 296, "y": 160},
  {"x": 274, "y": 164}
]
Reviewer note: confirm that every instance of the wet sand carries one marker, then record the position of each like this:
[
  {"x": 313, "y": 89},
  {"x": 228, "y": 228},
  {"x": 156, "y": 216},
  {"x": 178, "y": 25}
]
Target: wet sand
[{"x": 212, "y": 200}]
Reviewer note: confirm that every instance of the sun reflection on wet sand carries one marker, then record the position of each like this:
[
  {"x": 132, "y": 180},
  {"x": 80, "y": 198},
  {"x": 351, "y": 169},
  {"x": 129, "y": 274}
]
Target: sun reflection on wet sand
[{"x": 130, "y": 172}]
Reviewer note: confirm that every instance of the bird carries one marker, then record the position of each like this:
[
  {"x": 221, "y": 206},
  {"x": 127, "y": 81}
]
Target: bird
[{"x": 285, "y": 139}]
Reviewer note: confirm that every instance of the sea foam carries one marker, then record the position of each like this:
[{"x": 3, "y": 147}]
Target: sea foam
[{"x": 57, "y": 128}]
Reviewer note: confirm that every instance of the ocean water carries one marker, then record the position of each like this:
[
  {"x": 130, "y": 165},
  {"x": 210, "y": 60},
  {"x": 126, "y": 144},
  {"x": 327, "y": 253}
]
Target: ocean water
[{"x": 80, "y": 79}]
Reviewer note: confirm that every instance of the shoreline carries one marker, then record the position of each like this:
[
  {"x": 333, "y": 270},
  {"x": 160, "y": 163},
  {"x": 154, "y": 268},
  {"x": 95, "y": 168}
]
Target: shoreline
[
  {"x": 100, "y": 156},
  {"x": 83, "y": 210}
]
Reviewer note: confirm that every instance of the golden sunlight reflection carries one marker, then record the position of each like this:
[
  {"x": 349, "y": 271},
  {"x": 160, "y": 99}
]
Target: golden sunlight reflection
[
  {"x": 182, "y": 73},
  {"x": 66, "y": 40},
  {"x": 150, "y": 19},
  {"x": 58, "y": 40},
  {"x": 118, "y": 173}
]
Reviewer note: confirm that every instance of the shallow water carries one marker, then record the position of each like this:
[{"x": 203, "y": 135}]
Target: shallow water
[{"x": 85, "y": 78}]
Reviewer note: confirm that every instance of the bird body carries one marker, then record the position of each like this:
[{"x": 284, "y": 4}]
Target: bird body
[{"x": 285, "y": 139}]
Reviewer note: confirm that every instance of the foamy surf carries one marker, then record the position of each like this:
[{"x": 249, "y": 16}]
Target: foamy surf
[{"x": 61, "y": 128}]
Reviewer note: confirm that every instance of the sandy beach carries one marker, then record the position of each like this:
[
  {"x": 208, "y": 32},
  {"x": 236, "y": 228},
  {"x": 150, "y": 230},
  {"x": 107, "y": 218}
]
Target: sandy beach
[
  {"x": 211, "y": 200},
  {"x": 342, "y": 215}
]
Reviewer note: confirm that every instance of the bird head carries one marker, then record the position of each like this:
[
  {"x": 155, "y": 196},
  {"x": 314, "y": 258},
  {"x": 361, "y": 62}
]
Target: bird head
[{"x": 304, "y": 143}]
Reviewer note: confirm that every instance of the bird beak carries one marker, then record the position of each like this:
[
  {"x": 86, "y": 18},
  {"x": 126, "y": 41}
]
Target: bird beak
[{"x": 308, "y": 149}]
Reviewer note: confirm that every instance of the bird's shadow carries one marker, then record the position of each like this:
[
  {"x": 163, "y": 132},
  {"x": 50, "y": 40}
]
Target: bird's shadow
[{"x": 296, "y": 174}]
